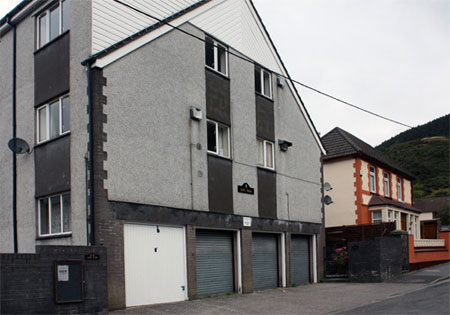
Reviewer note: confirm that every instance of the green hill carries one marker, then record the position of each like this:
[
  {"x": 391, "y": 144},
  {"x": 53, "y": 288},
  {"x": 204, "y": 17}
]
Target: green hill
[{"x": 424, "y": 151}]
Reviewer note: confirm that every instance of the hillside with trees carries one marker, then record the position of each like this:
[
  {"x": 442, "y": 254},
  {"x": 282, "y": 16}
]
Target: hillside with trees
[{"x": 423, "y": 151}]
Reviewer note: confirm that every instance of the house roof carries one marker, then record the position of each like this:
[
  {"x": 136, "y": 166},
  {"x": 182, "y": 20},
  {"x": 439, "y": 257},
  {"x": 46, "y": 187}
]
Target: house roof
[
  {"x": 339, "y": 144},
  {"x": 377, "y": 200},
  {"x": 14, "y": 11},
  {"x": 432, "y": 204}
]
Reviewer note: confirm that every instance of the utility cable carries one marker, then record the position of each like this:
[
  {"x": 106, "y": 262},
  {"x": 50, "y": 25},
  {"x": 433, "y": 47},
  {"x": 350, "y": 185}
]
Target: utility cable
[{"x": 254, "y": 62}]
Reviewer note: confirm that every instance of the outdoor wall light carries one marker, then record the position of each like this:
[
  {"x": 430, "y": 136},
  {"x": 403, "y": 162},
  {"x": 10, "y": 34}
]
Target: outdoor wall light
[{"x": 284, "y": 145}]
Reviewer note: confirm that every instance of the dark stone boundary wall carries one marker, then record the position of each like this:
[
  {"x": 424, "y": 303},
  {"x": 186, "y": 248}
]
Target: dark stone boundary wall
[{"x": 27, "y": 281}]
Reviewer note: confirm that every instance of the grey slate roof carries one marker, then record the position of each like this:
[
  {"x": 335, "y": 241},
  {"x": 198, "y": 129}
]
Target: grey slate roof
[
  {"x": 432, "y": 204},
  {"x": 339, "y": 143},
  {"x": 381, "y": 201}
]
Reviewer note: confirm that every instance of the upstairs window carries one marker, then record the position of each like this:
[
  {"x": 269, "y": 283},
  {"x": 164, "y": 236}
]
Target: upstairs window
[
  {"x": 218, "y": 138},
  {"x": 372, "y": 180},
  {"x": 54, "y": 215},
  {"x": 53, "y": 22},
  {"x": 216, "y": 56},
  {"x": 53, "y": 119},
  {"x": 263, "y": 82},
  {"x": 265, "y": 153},
  {"x": 376, "y": 216},
  {"x": 399, "y": 188},
  {"x": 386, "y": 184}
]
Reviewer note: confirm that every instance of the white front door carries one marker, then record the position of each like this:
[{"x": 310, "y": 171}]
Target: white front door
[{"x": 155, "y": 270}]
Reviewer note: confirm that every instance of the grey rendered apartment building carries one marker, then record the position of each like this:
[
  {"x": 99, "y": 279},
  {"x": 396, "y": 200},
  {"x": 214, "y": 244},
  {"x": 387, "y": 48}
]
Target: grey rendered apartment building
[{"x": 206, "y": 168}]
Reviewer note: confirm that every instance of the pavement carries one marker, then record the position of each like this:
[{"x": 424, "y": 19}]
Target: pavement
[{"x": 411, "y": 293}]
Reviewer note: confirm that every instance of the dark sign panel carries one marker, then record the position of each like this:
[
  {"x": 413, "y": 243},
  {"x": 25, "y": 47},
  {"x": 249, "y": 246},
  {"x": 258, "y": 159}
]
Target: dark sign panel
[{"x": 246, "y": 189}]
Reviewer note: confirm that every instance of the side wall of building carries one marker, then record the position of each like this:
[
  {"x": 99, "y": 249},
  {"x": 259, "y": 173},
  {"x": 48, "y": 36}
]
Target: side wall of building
[{"x": 339, "y": 174}]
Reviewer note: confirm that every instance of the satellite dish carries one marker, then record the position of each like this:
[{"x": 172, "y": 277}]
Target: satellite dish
[
  {"x": 327, "y": 200},
  {"x": 18, "y": 146},
  {"x": 327, "y": 186}
]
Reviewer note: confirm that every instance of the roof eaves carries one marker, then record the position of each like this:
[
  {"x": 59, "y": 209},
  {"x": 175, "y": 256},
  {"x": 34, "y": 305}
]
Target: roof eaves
[
  {"x": 14, "y": 11},
  {"x": 141, "y": 33}
]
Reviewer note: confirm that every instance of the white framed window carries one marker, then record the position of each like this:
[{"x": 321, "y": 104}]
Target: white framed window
[
  {"x": 416, "y": 228},
  {"x": 386, "y": 184},
  {"x": 266, "y": 153},
  {"x": 53, "y": 119},
  {"x": 396, "y": 219},
  {"x": 376, "y": 216},
  {"x": 52, "y": 22},
  {"x": 54, "y": 215},
  {"x": 389, "y": 215},
  {"x": 263, "y": 82},
  {"x": 372, "y": 179},
  {"x": 216, "y": 56},
  {"x": 399, "y": 188},
  {"x": 218, "y": 138}
]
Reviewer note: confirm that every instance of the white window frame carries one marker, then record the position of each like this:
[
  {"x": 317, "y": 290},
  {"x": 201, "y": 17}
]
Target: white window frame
[
  {"x": 50, "y": 215},
  {"x": 387, "y": 191},
  {"x": 396, "y": 214},
  {"x": 399, "y": 189},
  {"x": 59, "y": 5},
  {"x": 265, "y": 165},
  {"x": 373, "y": 188},
  {"x": 377, "y": 220},
  {"x": 389, "y": 216},
  {"x": 261, "y": 77},
  {"x": 216, "y": 56},
  {"x": 217, "y": 152},
  {"x": 46, "y": 107}
]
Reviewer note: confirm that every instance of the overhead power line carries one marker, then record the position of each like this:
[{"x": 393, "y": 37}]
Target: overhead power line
[{"x": 253, "y": 62}]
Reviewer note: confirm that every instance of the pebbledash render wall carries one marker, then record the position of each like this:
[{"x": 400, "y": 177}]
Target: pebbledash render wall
[
  {"x": 148, "y": 132},
  {"x": 79, "y": 33}
]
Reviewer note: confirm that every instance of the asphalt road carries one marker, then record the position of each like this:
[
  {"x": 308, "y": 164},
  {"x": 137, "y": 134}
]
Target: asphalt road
[
  {"x": 433, "y": 299},
  {"x": 421, "y": 292}
]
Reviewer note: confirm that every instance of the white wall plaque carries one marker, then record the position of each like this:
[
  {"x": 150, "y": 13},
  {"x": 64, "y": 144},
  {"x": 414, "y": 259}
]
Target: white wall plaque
[
  {"x": 247, "y": 221},
  {"x": 63, "y": 273}
]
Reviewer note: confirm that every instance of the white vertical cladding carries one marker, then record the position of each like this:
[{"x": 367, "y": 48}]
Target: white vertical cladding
[
  {"x": 234, "y": 23},
  {"x": 239, "y": 260},
  {"x": 112, "y": 21}
]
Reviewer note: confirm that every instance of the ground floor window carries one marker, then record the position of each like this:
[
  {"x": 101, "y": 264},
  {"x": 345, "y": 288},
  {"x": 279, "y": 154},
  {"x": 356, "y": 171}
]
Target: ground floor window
[
  {"x": 376, "y": 216},
  {"x": 54, "y": 215}
]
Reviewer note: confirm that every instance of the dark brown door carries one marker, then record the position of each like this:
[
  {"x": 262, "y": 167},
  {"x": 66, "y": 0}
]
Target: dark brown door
[
  {"x": 429, "y": 230},
  {"x": 403, "y": 220}
]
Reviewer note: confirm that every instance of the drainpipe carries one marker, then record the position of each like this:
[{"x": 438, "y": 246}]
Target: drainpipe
[{"x": 14, "y": 157}]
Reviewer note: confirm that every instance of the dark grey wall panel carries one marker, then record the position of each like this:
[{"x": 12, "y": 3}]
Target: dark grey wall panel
[
  {"x": 214, "y": 253},
  {"x": 52, "y": 167},
  {"x": 165, "y": 215},
  {"x": 299, "y": 259},
  {"x": 51, "y": 70},
  {"x": 265, "y": 261},
  {"x": 217, "y": 97},
  {"x": 267, "y": 194},
  {"x": 220, "y": 185},
  {"x": 264, "y": 118}
]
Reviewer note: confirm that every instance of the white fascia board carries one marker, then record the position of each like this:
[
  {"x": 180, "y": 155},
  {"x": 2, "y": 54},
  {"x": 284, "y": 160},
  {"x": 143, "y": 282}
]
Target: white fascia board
[
  {"x": 21, "y": 15},
  {"x": 139, "y": 42},
  {"x": 292, "y": 88}
]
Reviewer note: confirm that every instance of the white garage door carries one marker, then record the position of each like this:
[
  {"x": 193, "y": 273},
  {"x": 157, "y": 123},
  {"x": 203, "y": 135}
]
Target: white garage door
[{"x": 155, "y": 269}]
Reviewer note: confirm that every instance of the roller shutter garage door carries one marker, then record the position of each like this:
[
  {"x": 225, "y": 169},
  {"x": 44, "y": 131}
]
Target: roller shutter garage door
[
  {"x": 265, "y": 261},
  {"x": 155, "y": 269},
  {"x": 299, "y": 259},
  {"x": 214, "y": 251}
]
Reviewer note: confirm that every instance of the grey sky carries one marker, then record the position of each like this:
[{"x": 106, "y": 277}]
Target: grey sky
[{"x": 388, "y": 56}]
